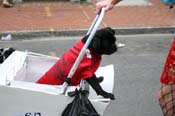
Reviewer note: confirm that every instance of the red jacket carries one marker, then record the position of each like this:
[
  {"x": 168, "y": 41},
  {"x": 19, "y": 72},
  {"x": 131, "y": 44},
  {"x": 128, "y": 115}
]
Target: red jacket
[
  {"x": 60, "y": 70},
  {"x": 168, "y": 74}
]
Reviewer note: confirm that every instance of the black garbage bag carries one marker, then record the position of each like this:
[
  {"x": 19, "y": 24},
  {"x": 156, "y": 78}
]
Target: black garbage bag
[{"x": 80, "y": 106}]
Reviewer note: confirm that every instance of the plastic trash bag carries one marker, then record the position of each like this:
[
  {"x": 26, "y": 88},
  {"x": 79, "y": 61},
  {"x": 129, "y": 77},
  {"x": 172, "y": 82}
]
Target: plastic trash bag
[{"x": 80, "y": 106}]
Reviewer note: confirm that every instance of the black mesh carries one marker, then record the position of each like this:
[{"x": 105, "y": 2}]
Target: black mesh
[{"x": 167, "y": 99}]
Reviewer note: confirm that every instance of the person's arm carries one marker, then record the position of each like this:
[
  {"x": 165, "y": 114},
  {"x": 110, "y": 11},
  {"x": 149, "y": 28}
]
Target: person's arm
[
  {"x": 94, "y": 82},
  {"x": 107, "y": 4}
]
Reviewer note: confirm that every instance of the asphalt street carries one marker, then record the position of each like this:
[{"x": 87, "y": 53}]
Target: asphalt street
[{"x": 138, "y": 66}]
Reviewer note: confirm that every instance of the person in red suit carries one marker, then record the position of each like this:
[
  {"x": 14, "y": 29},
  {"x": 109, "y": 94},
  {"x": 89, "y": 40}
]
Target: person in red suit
[
  {"x": 103, "y": 43},
  {"x": 59, "y": 71}
]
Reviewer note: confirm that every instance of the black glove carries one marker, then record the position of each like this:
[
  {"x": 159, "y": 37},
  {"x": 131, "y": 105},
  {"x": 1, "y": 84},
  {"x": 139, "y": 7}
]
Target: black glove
[
  {"x": 99, "y": 79},
  {"x": 109, "y": 95},
  {"x": 98, "y": 89}
]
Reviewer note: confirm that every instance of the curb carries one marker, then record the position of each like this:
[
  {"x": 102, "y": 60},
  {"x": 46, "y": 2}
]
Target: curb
[{"x": 80, "y": 32}]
